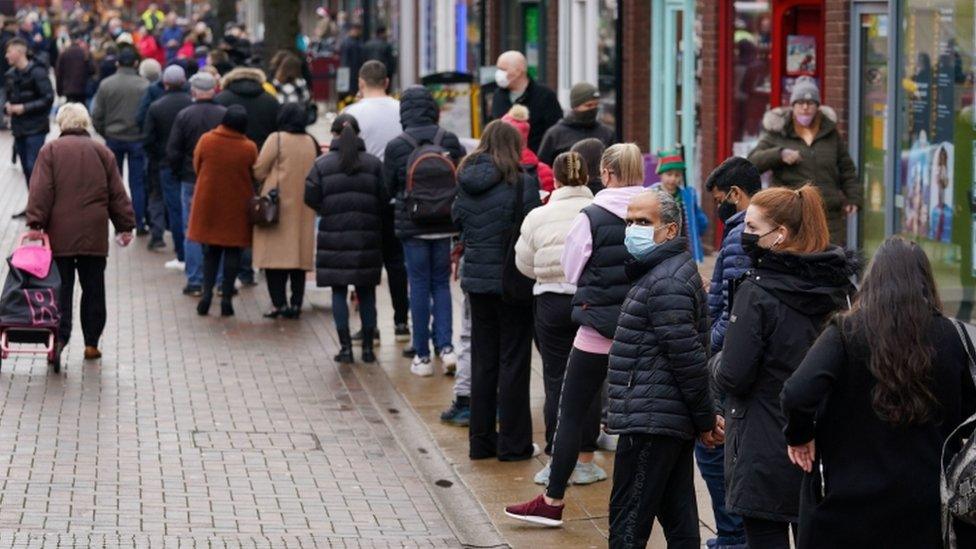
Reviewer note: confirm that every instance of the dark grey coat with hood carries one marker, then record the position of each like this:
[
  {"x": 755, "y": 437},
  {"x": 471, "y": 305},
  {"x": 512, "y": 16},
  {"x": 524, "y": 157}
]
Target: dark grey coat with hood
[
  {"x": 484, "y": 211},
  {"x": 779, "y": 309},
  {"x": 244, "y": 86},
  {"x": 418, "y": 116},
  {"x": 569, "y": 131}
]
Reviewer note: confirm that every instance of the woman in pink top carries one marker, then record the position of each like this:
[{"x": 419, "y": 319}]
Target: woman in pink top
[{"x": 593, "y": 259}]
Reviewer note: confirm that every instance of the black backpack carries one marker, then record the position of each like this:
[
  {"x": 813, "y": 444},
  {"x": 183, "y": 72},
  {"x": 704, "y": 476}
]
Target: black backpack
[{"x": 431, "y": 181}]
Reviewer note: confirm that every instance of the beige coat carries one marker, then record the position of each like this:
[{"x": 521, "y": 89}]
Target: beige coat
[
  {"x": 540, "y": 245},
  {"x": 291, "y": 243}
]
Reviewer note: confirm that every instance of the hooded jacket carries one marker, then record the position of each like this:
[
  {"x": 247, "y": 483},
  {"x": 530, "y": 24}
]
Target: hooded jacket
[
  {"x": 418, "y": 116},
  {"x": 349, "y": 247},
  {"x": 485, "y": 212},
  {"x": 658, "y": 373},
  {"x": 31, "y": 88},
  {"x": 244, "y": 86},
  {"x": 779, "y": 309},
  {"x": 570, "y": 131},
  {"x": 825, "y": 162}
]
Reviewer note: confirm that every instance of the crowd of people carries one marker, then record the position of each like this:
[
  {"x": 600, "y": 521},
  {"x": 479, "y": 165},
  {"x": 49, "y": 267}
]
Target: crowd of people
[{"x": 815, "y": 396}]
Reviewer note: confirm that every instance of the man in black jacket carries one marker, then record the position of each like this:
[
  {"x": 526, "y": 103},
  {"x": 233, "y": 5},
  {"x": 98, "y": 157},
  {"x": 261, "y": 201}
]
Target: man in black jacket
[
  {"x": 427, "y": 248},
  {"x": 516, "y": 86},
  {"x": 244, "y": 86},
  {"x": 659, "y": 395},
  {"x": 29, "y": 99},
  {"x": 581, "y": 123},
  {"x": 379, "y": 49},
  {"x": 190, "y": 124},
  {"x": 160, "y": 118}
]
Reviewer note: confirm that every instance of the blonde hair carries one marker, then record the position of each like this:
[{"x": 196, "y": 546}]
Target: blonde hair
[
  {"x": 625, "y": 161},
  {"x": 519, "y": 112},
  {"x": 73, "y": 116}
]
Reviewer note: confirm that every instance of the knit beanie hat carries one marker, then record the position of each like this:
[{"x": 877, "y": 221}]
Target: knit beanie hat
[
  {"x": 805, "y": 89},
  {"x": 518, "y": 117},
  {"x": 581, "y": 93},
  {"x": 669, "y": 159}
]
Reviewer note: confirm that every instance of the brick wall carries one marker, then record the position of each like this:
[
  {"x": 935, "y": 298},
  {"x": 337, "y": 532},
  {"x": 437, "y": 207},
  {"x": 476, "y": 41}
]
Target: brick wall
[
  {"x": 636, "y": 77},
  {"x": 707, "y": 12},
  {"x": 837, "y": 58}
]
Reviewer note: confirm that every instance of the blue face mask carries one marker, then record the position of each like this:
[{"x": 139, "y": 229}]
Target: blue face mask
[{"x": 639, "y": 240}]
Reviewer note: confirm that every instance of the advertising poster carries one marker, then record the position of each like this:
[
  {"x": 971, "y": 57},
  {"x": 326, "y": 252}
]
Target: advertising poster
[
  {"x": 801, "y": 55},
  {"x": 940, "y": 193},
  {"x": 916, "y": 191}
]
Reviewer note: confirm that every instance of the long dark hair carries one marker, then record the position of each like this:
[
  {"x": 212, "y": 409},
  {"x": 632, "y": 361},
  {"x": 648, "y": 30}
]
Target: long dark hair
[
  {"x": 503, "y": 144},
  {"x": 893, "y": 311},
  {"x": 347, "y": 128}
]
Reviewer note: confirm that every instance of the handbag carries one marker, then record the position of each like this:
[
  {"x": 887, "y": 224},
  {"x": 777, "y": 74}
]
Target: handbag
[
  {"x": 957, "y": 478},
  {"x": 263, "y": 209},
  {"x": 516, "y": 287}
]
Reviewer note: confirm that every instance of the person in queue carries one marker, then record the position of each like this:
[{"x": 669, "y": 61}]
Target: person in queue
[
  {"x": 515, "y": 86},
  {"x": 798, "y": 280}
]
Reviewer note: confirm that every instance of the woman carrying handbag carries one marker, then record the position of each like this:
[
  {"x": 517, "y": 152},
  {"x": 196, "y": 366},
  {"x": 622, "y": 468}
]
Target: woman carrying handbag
[
  {"x": 491, "y": 191},
  {"x": 284, "y": 248}
]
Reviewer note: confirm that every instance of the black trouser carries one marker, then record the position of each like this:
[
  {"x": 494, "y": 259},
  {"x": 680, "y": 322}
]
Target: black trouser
[
  {"x": 768, "y": 534},
  {"x": 582, "y": 384},
  {"x": 277, "y": 286},
  {"x": 91, "y": 275},
  {"x": 396, "y": 274},
  {"x": 654, "y": 478},
  {"x": 211, "y": 260},
  {"x": 155, "y": 208},
  {"x": 554, "y": 334},
  {"x": 501, "y": 353}
]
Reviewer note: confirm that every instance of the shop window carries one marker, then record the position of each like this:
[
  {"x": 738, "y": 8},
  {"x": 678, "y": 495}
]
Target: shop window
[
  {"x": 607, "y": 62},
  {"x": 751, "y": 64},
  {"x": 937, "y": 142}
]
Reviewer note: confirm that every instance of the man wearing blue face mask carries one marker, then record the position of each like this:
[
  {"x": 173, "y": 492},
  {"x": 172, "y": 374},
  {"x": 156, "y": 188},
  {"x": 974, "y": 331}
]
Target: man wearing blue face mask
[{"x": 659, "y": 394}]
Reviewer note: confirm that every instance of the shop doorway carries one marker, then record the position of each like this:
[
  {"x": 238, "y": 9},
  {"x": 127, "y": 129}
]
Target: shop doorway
[{"x": 868, "y": 121}]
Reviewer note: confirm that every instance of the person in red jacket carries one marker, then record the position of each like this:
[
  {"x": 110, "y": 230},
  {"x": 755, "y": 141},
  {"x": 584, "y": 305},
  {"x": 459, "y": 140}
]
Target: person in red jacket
[
  {"x": 518, "y": 116},
  {"x": 149, "y": 47}
]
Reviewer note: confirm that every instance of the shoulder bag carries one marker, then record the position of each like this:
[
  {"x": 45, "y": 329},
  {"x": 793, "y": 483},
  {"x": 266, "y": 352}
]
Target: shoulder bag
[
  {"x": 263, "y": 209},
  {"x": 957, "y": 482}
]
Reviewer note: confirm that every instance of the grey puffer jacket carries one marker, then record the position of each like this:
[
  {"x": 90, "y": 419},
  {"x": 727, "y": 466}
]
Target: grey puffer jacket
[
  {"x": 418, "y": 115},
  {"x": 484, "y": 211},
  {"x": 658, "y": 372}
]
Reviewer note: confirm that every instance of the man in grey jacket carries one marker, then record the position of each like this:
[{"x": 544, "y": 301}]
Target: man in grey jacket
[{"x": 114, "y": 117}]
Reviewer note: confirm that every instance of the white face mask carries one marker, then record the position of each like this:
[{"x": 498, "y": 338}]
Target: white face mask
[{"x": 501, "y": 78}]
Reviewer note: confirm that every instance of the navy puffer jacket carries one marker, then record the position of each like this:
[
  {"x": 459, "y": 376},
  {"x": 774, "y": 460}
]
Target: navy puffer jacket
[
  {"x": 484, "y": 211},
  {"x": 418, "y": 116},
  {"x": 658, "y": 376},
  {"x": 730, "y": 265}
]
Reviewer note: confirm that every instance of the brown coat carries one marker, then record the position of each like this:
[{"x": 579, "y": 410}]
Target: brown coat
[
  {"x": 291, "y": 243},
  {"x": 75, "y": 190},
  {"x": 218, "y": 213}
]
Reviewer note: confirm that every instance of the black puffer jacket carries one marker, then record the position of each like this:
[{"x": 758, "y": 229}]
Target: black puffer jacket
[
  {"x": 658, "y": 362},
  {"x": 349, "y": 246},
  {"x": 778, "y": 311},
  {"x": 31, "y": 88},
  {"x": 570, "y": 131},
  {"x": 244, "y": 86},
  {"x": 484, "y": 211},
  {"x": 418, "y": 116}
]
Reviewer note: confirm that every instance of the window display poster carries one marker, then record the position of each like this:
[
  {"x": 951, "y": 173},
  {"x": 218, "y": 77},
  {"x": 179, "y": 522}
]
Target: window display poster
[
  {"x": 916, "y": 192},
  {"x": 940, "y": 193},
  {"x": 801, "y": 55}
]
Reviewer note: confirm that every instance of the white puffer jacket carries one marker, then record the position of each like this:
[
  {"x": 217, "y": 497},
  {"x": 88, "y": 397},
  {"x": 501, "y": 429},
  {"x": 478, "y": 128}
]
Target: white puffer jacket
[{"x": 544, "y": 232}]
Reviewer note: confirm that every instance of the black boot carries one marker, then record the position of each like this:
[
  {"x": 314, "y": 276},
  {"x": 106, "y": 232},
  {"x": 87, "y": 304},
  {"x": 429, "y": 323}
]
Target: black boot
[
  {"x": 203, "y": 306},
  {"x": 226, "y": 307},
  {"x": 345, "y": 348},
  {"x": 368, "y": 356}
]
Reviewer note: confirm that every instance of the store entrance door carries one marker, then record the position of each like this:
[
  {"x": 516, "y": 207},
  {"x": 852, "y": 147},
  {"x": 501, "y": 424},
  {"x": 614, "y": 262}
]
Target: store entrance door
[{"x": 868, "y": 122}]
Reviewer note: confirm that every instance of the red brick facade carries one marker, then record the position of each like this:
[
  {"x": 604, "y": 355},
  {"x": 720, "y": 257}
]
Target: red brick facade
[
  {"x": 837, "y": 27},
  {"x": 636, "y": 77}
]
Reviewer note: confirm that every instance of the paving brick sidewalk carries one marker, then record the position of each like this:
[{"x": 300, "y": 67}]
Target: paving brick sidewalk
[{"x": 198, "y": 431}]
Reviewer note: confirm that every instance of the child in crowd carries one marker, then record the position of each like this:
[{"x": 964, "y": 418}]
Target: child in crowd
[{"x": 671, "y": 168}]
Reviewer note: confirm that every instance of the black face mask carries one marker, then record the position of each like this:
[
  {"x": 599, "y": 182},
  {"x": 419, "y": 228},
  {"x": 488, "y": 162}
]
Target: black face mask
[
  {"x": 588, "y": 116},
  {"x": 750, "y": 244},
  {"x": 726, "y": 209}
]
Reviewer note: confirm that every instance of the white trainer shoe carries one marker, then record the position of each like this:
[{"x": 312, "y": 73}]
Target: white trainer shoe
[
  {"x": 449, "y": 359},
  {"x": 175, "y": 265},
  {"x": 421, "y": 367}
]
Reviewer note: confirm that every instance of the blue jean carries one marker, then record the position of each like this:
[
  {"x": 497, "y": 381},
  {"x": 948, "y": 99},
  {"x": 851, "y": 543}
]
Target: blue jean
[
  {"x": 367, "y": 306},
  {"x": 192, "y": 251},
  {"x": 137, "y": 173},
  {"x": 174, "y": 208},
  {"x": 429, "y": 275},
  {"x": 27, "y": 147},
  {"x": 711, "y": 464}
]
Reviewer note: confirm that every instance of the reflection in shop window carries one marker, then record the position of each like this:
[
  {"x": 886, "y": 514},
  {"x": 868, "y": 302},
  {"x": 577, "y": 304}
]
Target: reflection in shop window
[
  {"x": 750, "y": 73},
  {"x": 607, "y": 62}
]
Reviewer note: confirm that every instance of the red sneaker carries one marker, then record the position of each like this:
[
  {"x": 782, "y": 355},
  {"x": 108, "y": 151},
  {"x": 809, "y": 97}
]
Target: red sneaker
[{"x": 537, "y": 511}]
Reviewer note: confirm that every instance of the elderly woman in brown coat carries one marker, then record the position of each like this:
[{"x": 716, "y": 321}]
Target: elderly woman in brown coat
[
  {"x": 218, "y": 219},
  {"x": 285, "y": 250},
  {"x": 75, "y": 190}
]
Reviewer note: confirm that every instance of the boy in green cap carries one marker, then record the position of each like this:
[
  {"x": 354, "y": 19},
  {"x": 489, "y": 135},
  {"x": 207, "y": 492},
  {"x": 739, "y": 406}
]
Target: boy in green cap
[{"x": 671, "y": 168}]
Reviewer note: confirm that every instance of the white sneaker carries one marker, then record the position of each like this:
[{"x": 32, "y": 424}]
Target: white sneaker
[
  {"x": 542, "y": 477},
  {"x": 536, "y": 450},
  {"x": 421, "y": 367},
  {"x": 587, "y": 473},
  {"x": 607, "y": 442},
  {"x": 175, "y": 265},
  {"x": 449, "y": 359}
]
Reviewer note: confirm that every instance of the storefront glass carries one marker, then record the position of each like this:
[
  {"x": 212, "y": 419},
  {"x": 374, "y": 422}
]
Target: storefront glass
[
  {"x": 872, "y": 120},
  {"x": 937, "y": 142},
  {"x": 607, "y": 62},
  {"x": 750, "y": 72}
]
